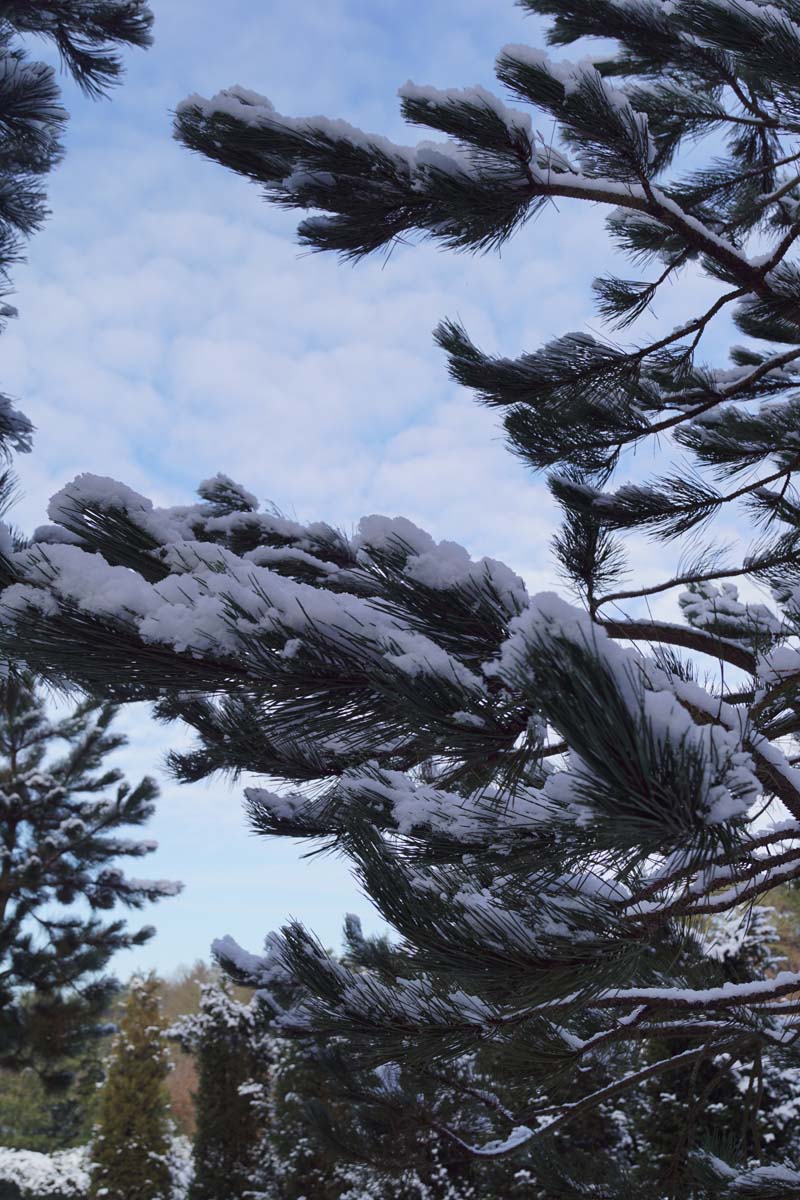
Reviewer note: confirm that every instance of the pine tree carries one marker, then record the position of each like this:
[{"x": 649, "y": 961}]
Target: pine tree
[
  {"x": 721, "y": 1100},
  {"x": 62, "y": 810},
  {"x": 131, "y": 1146},
  {"x": 333, "y": 1128},
  {"x": 546, "y": 800},
  {"x": 316, "y": 1142},
  {"x": 222, "y": 1038},
  {"x": 86, "y": 34}
]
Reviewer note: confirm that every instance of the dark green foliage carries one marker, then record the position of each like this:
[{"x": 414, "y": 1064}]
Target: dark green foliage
[
  {"x": 675, "y": 78},
  {"x": 86, "y": 34},
  {"x": 546, "y": 803},
  {"x": 131, "y": 1141},
  {"x": 62, "y": 812},
  {"x": 33, "y": 1118},
  {"x": 222, "y": 1038}
]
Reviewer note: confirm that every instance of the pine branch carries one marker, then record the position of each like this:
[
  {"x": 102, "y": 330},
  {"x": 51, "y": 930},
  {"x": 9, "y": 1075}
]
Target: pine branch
[{"x": 679, "y": 635}]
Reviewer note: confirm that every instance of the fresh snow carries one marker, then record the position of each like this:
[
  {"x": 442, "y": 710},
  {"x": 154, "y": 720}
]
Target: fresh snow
[
  {"x": 476, "y": 96},
  {"x": 65, "y": 1174}
]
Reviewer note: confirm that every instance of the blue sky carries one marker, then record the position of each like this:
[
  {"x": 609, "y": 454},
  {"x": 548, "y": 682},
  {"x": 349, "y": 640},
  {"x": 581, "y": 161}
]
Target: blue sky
[{"x": 169, "y": 328}]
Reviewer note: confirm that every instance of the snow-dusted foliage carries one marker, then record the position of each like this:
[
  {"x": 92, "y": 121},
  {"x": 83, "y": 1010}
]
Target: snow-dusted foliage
[
  {"x": 64, "y": 1174},
  {"x": 223, "y": 1038},
  {"x": 65, "y": 823},
  {"x": 132, "y": 1151},
  {"x": 547, "y": 801},
  {"x": 299, "y": 1154}
]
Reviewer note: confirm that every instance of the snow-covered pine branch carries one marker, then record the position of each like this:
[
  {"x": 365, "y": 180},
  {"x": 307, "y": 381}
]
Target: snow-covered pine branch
[{"x": 547, "y": 802}]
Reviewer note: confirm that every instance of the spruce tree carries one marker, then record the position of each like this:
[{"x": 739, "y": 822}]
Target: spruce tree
[
  {"x": 86, "y": 34},
  {"x": 62, "y": 813},
  {"x": 222, "y": 1038},
  {"x": 131, "y": 1146},
  {"x": 546, "y": 800}
]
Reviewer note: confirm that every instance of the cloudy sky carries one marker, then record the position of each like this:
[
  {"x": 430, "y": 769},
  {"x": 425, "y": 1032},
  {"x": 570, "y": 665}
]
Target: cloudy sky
[{"x": 169, "y": 328}]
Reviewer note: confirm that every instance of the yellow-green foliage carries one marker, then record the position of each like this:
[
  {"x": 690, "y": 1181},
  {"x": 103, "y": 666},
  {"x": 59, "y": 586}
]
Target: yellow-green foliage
[{"x": 131, "y": 1144}]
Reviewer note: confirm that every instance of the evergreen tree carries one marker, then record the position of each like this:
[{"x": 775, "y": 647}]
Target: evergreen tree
[
  {"x": 131, "y": 1147},
  {"x": 33, "y": 1117},
  {"x": 318, "y": 1137},
  {"x": 222, "y": 1038},
  {"x": 722, "y": 1100},
  {"x": 545, "y": 800},
  {"x": 86, "y": 34},
  {"x": 180, "y": 997},
  {"x": 61, "y": 815}
]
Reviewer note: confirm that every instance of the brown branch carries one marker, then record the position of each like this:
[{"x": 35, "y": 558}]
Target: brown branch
[
  {"x": 689, "y": 904},
  {"x": 685, "y": 636},
  {"x": 569, "y": 1112},
  {"x": 745, "y": 848}
]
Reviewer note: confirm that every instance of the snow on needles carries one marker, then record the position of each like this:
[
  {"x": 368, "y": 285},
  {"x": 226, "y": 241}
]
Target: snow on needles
[
  {"x": 649, "y": 694},
  {"x": 253, "y": 109},
  {"x": 235, "y": 607},
  {"x": 476, "y": 96}
]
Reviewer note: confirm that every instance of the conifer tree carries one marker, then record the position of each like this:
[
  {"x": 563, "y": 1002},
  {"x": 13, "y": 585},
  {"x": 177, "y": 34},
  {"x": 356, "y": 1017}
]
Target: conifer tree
[
  {"x": 62, "y": 811},
  {"x": 86, "y": 34},
  {"x": 131, "y": 1146},
  {"x": 34, "y": 1117},
  {"x": 318, "y": 1138},
  {"x": 546, "y": 800},
  {"x": 720, "y": 1101},
  {"x": 222, "y": 1037}
]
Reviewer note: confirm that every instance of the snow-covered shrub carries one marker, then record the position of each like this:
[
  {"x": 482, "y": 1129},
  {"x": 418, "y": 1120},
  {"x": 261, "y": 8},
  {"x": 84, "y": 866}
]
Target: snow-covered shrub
[{"x": 64, "y": 1174}]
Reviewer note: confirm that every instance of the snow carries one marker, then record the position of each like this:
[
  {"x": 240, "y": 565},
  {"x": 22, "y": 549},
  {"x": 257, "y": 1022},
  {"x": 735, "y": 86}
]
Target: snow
[
  {"x": 376, "y": 532},
  {"x": 437, "y": 565},
  {"x": 778, "y": 664},
  {"x": 727, "y": 994},
  {"x": 569, "y": 74},
  {"x": 95, "y": 489},
  {"x": 63, "y": 1173},
  {"x": 283, "y": 806},
  {"x": 66, "y": 1173},
  {"x": 476, "y": 96},
  {"x": 650, "y": 695},
  {"x": 416, "y": 806},
  {"x": 419, "y": 656},
  {"x": 228, "y": 949},
  {"x": 155, "y": 887},
  {"x": 87, "y": 580},
  {"x": 518, "y": 1136},
  {"x": 191, "y": 609},
  {"x": 706, "y": 605},
  {"x": 53, "y": 534},
  {"x": 102, "y": 492},
  {"x": 574, "y": 77},
  {"x": 253, "y": 109},
  {"x": 266, "y": 556},
  {"x": 728, "y": 933},
  {"x": 772, "y": 876},
  {"x": 207, "y": 487},
  {"x": 261, "y": 971}
]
